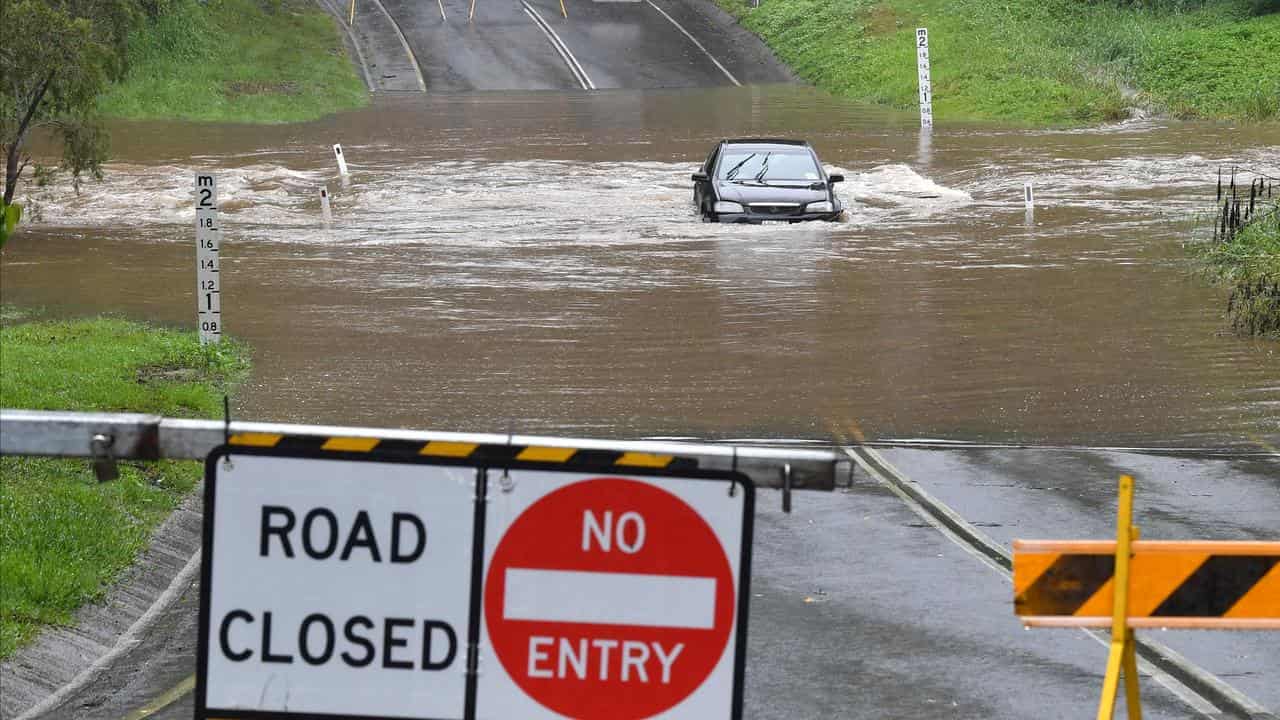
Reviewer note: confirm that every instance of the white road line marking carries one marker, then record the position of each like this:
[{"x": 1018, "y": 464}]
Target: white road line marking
[
  {"x": 607, "y": 598},
  {"x": 574, "y": 67},
  {"x": 694, "y": 40},
  {"x": 404, "y": 42},
  {"x": 364, "y": 65}
]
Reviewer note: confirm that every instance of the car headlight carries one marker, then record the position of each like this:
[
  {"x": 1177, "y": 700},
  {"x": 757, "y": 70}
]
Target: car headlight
[
  {"x": 824, "y": 206},
  {"x": 727, "y": 206}
]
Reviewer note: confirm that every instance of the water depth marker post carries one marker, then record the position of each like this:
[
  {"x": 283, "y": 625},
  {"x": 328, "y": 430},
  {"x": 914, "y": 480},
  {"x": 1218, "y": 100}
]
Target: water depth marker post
[
  {"x": 326, "y": 212},
  {"x": 926, "y": 85},
  {"x": 342, "y": 161},
  {"x": 208, "y": 259}
]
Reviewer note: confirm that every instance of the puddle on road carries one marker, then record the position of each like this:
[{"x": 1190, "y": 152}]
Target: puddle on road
[{"x": 534, "y": 262}]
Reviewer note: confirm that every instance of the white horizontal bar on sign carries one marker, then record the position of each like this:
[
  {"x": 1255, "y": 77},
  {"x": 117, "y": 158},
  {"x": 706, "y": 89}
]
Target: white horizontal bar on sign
[{"x": 600, "y": 598}]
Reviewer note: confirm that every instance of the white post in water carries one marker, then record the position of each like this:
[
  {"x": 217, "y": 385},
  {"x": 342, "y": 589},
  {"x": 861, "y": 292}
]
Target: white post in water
[
  {"x": 325, "y": 211},
  {"x": 342, "y": 161},
  {"x": 1029, "y": 196},
  {"x": 208, "y": 261},
  {"x": 926, "y": 84}
]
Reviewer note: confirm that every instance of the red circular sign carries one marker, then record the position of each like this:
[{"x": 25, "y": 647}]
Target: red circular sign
[{"x": 621, "y": 600}]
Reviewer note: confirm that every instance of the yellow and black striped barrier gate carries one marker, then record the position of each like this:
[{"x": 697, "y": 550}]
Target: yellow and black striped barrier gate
[
  {"x": 1130, "y": 583},
  {"x": 1171, "y": 584},
  {"x": 491, "y": 454}
]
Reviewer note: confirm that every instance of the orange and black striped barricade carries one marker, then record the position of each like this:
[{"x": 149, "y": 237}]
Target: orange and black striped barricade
[{"x": 1130, "y": 583}]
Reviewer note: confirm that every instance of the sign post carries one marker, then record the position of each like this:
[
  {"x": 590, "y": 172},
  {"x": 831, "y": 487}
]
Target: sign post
[
  {"x": 380, "y": 579},
  {"x": 208, "y": 261},
  {"x": 337, "y": 153},
  {"x": 926, "y": 84}
]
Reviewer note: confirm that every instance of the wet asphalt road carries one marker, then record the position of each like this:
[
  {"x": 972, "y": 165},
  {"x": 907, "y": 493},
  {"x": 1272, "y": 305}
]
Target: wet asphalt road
[
  {"x": 1029, "y": 494},
  {"x": 619, "y": 45},
  {"x": 860, "y": 609}
]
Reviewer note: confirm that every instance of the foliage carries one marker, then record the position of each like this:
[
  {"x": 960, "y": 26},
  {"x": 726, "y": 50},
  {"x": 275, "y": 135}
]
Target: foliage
[
  {"x": 1055, "y": 62},
  {"x": 108, "y": 364},
  {"x": 54, "y": 65},
  {"x": 1249, "y": 263},
  {"x": 237, "y": 61},
  {"x": 1214, "y": 70},
  {"x": 63, "y": 536},
  {"x": 10, "y": 214}
]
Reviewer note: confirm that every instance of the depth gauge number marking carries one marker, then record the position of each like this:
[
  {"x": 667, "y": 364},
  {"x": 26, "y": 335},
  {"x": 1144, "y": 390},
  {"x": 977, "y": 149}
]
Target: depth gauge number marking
[{"x": 208, "y": 245}]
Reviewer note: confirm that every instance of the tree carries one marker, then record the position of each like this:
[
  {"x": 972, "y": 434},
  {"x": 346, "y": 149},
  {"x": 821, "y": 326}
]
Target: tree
[{"x": 54, "y": 62}]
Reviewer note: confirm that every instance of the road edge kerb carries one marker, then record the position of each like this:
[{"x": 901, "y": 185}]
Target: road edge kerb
[
  {"x": 328, "y": 7},
  {"x": 1198, "y": 680},
  {"x": 129, "y": 640},
  {"x": 404, "y": 43},
  {"x": 181, "y": 529}
]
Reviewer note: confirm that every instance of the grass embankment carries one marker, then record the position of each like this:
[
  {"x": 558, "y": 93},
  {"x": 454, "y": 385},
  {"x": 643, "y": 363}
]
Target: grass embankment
[
  {"x": 63, "y": 536},
  {"x": 1056, "y": 62},
  {"x": 1249, "y": 264},
  {"x": 237, "y": 61}
]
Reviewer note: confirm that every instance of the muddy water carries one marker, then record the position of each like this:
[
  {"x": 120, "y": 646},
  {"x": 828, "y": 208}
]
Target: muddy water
[{"x": 533, "y": 262}]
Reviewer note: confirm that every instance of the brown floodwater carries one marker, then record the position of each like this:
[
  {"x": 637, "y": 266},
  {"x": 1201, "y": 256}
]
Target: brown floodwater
[{"x": 532, "y": 262}]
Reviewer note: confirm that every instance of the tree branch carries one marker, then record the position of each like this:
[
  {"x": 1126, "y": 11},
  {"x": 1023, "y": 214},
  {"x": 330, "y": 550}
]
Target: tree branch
[
  {"x": 11, "y": 169},
  {"x": 35, "y": 104}
]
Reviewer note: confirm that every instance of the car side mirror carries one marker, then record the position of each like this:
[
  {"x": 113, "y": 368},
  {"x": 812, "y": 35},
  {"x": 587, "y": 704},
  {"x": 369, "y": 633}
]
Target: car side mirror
[
  {"x": 835, "y": 179},
  {"x": 700, "y": 177}
]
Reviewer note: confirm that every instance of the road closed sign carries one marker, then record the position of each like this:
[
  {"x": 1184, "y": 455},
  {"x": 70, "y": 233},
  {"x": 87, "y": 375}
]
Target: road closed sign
[
  {"x": 357, "y": 585},
  {"x": 334, "y": 587},
  {"x": 614, "y": 597}
]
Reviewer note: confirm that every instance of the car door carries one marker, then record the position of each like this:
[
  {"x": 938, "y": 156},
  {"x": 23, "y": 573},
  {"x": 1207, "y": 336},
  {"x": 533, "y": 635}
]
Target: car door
[{"x": 702, "y": 188}]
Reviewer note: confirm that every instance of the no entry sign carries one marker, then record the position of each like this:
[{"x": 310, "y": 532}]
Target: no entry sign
[
  {"x": 347, "y": 584},
  {"x": 614, "y": 597}
]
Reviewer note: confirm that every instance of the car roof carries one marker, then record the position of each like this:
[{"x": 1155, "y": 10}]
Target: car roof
[{"x": 765, "y": 141}]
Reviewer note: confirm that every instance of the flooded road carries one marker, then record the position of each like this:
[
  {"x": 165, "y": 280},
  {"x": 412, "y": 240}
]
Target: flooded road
[{"x": 533, "y": 262}]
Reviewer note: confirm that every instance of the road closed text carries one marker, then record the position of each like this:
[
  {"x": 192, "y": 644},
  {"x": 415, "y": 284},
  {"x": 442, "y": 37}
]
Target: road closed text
[{"x": 357, "y": 639}]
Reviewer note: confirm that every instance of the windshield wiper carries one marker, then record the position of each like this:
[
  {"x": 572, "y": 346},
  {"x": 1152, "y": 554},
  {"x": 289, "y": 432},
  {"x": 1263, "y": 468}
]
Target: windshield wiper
[
  {"x": 733, "y": 172},
  {"x": 764, "y": 168}
]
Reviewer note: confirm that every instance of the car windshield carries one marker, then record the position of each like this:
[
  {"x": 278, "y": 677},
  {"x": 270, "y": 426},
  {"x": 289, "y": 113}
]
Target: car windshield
[{"x": 763, "y": 165}]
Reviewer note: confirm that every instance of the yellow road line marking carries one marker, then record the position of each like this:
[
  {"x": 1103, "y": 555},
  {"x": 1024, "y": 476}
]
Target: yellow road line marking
[
  {"x": 353, "y": 444},
  {"x": 856, "y": 431},
  {"x": 443, "y": 448},
  {"x": 167, "y": 698}
]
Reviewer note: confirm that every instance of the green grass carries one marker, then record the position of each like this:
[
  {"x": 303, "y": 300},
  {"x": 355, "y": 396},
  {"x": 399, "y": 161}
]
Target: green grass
[
  {"x": 63, "y": 536},
  {"x": 237, "y": 61},
  {"x": 1043, "y": 62},
  {"x": 1250, "y": 265}
]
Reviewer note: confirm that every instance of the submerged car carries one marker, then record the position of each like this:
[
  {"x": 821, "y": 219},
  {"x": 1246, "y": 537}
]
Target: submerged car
[{"x": 765, "y": 181}]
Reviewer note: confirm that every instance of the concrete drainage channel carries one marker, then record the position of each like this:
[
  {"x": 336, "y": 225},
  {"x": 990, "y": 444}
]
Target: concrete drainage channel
[
  {"x": 65, "y": 660},
  {"x": 1209, "y": 695}
]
